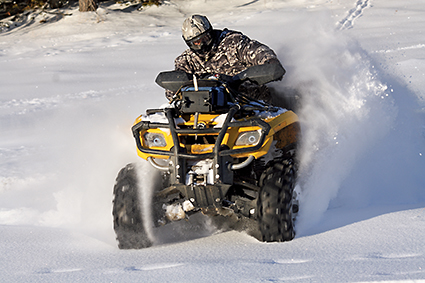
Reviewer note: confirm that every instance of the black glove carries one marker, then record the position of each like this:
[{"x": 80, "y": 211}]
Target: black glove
[{"x": 231, "y": 81}]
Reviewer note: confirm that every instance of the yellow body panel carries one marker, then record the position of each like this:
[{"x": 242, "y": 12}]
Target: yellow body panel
[{"x": 276, "y": 123}]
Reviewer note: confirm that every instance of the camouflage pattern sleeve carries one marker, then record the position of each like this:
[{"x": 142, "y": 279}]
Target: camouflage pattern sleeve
[
  {"x": 251, "y": 51},
  {"x": 183, "y": 62},
  {"x": 191, "y": 63}
]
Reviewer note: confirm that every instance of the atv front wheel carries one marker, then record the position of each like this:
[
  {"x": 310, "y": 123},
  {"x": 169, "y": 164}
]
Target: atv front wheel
[
  {"x": 274, "y": 204},
  {"x": 127, "y": 211}
]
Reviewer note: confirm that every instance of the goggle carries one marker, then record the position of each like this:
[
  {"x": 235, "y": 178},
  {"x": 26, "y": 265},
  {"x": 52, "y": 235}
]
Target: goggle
[{"x": 198, "y": 42}]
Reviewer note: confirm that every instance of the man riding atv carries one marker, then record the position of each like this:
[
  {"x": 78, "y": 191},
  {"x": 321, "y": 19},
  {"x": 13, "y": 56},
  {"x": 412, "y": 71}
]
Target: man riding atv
[
  {"x": 224, "y": 53},
  {"x": 216, "y": 149}
]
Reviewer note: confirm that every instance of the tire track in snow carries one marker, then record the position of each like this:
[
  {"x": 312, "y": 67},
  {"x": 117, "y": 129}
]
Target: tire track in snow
[
  {"x": 353, "y": 14},
  {"x": 25, "y": 106},
  {"x": 417, "y": 46}
]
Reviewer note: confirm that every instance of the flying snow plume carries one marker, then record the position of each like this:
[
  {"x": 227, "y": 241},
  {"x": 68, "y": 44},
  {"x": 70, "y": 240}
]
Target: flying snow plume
[
  {"x": 196, "y": 226},
  {"x": 82, "y": 147},
  {"x": 149, "y": 179},
  {"x": 344, "y": 110}
]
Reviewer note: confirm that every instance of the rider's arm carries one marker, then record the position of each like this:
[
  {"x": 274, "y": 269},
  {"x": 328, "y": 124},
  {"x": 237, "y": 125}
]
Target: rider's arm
[{"x": 252, "y": 52}]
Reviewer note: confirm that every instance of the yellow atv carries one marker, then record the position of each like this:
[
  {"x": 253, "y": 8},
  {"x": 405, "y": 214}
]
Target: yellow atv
[{"x": 218, "y": 152}]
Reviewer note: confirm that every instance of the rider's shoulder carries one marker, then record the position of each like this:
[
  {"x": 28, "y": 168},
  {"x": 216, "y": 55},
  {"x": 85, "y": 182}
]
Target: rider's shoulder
[
  {"x": 185, "y": 56},
  {"x": 229, "y": 33}
]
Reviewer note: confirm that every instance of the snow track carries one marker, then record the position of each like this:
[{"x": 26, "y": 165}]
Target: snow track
[
  {"x": 413, "y": 47},
  {"x": 26, "y": 106},
  {"x": 354, "y": 14}
]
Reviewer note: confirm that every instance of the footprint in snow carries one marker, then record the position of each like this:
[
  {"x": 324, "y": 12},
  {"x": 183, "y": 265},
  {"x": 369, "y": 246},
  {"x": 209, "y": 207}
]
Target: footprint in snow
[{"x": 153, "y": 266}]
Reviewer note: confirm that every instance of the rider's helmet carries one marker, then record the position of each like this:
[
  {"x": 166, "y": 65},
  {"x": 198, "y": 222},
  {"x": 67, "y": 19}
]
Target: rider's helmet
[{"x": 197, "y": 33}]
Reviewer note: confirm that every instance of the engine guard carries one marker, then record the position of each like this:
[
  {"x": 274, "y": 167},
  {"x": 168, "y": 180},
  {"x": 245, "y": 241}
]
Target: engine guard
[{"x": 201, "y": 197}]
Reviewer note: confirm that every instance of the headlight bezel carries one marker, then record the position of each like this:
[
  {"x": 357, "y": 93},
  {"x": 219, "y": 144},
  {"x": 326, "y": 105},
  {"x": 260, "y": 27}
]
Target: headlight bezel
[
  {"x": 154, "y": 139},
  {"x": 248, "y": 138}
]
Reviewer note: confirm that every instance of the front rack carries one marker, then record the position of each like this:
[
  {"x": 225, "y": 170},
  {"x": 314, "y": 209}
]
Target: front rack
[{"x": 218, "y": 150}]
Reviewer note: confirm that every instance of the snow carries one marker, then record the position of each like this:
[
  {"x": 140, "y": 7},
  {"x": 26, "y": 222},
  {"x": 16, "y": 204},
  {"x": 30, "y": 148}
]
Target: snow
[{"x": 71, "y": 89}]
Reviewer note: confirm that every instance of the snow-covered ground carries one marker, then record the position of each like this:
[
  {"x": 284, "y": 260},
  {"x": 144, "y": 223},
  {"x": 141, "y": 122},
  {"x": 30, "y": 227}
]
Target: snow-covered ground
[{"x": 70, "y": 90}]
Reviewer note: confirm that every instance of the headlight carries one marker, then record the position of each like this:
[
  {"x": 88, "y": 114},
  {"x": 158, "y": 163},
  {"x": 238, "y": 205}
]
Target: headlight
[
  {"x": 154, "y": 140},
  {"x": 248, "y": 138}
]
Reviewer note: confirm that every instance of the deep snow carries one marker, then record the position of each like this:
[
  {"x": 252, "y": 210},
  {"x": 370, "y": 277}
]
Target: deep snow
[{"x": 71, "y": 89}]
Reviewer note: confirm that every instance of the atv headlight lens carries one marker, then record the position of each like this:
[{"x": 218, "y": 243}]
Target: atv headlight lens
[
  {"x": 154, "y": 140},
  {"x": 248, "y": 138}
]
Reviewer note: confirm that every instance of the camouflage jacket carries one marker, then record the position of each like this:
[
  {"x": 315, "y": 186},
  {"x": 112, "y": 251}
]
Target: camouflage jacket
[{"x": 232, "y": 53}]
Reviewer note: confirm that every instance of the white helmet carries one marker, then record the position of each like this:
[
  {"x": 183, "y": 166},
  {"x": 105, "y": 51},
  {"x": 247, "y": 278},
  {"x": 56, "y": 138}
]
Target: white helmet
[{"x": 197, "y": 33}]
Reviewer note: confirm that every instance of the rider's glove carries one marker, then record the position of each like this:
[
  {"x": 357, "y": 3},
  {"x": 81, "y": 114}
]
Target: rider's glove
[{"x": 231, "y": 81}]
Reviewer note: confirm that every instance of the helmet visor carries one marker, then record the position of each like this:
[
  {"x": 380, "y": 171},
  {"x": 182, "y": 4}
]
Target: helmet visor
[{"x": 201, "y": 42}]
